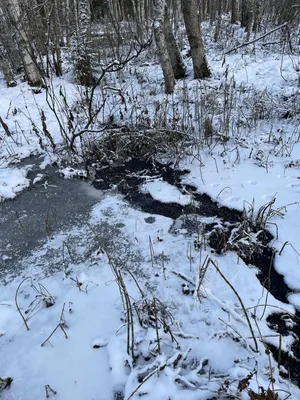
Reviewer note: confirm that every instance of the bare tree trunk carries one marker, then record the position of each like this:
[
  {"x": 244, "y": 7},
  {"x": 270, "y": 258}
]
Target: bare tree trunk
[
  {"x": 213, "y": 11},
  {"x": 218, "y": 23},
  {"x": 138, "y": 16},
  {"x": 176, "y": 13},
  {"x": 122, "y": 11},
  {"x": 250, "y": 19},
  {"x": 57, "y": 41},
  {"x": 67, "y": 26},
  {"x": 148, "y": 11},
  {"x": 6, "y": 69},
  {"x": 203, "y": 9},
  {"x": 208, "y": 7},
  {"x": 5, "y": 50},
  {"x": 245, "y": 13},
  {"x": 158, "y": 25},
  {"x": 42, "y": 23},
  {"x": 257, "y": 15},
  {"x": 75, "y": 5},
  {"x": 234, "y": 11},
  {"x": 83, "y": 62},
  {"x": 178, "y": 66},
  {"x": 28, "y": 57},
  {"x": 193, "y": 29}
]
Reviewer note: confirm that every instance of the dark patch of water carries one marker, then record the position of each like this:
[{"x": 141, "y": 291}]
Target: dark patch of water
[
  {"x": 286, "y": 324},
  {"x": 291, "y": 364},
  {"x": 131, "y": 175}
]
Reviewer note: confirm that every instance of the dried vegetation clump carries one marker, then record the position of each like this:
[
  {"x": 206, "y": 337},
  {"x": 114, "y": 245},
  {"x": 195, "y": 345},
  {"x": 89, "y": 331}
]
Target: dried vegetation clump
[{"x": 120, "y": 145}]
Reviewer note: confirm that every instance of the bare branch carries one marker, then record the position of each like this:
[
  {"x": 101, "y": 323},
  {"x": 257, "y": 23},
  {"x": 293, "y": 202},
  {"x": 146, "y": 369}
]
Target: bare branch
[{"x": 257, "y": 39}]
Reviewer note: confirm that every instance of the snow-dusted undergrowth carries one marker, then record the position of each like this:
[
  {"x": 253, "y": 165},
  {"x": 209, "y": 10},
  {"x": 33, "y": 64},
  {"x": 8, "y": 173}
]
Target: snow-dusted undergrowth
[{"x": 146, "y": 314}]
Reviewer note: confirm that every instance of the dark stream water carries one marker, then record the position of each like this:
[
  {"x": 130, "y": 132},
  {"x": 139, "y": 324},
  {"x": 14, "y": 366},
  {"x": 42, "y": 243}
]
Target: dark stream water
[
  {"x": 65, "y": 203},
  {"x": 130, "y": 176}
]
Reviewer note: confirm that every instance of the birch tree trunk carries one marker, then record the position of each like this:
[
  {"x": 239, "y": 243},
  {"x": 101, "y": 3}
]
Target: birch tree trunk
[
  {"x": 178, "y": 66},
  {"x": 18, "y": 22},
  {"x": 83, "y": 62},
  {"x": 67, "y": 11},
  {"x": 57, "y": 40},
  {"x": 193, "y": 30},
  {"x": 165, "y": 62}
]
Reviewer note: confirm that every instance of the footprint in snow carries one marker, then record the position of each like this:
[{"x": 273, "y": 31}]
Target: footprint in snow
[
  {"x": 215, "y": 184},
  {"x": 267, "y": 197},
  {"x": 252, "y": 182},
  {"x": 232, "y": 199},
  {"x": 293, "y": 185},
  {"x": 99, "y": 342}
]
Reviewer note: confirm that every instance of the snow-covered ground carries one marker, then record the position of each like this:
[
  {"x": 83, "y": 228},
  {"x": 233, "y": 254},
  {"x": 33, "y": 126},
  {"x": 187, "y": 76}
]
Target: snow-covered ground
[{"x": 201, "y": 345}]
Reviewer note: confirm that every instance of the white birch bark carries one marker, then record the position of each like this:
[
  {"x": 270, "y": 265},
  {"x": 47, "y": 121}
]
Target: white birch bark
[
  {"x": 17, "y": 20},
  {"x": 158, "y": 25},
  {"x": 83, "y": 67},
  {"x": 178, "y": 66}
]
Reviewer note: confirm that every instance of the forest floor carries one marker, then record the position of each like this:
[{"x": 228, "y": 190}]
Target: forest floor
[{"x": 170, "y": 281}]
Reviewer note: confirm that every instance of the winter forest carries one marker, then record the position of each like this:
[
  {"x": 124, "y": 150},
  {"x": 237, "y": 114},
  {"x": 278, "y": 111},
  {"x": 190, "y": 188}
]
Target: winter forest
[{"x": 149, "y": 199}]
